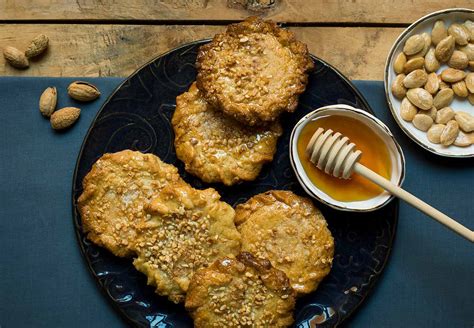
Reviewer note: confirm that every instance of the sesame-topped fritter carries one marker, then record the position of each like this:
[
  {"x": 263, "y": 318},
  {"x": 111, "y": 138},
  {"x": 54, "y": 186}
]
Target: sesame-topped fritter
[
  {"x": 242, "y": 292},
  {"x": 188, "y": 229},
  {"x": 217, "y": 148},
  {"x": 254, "y": 71},
  {"x": 116, "y": 190},
  {"x": 289, "y": 231}
]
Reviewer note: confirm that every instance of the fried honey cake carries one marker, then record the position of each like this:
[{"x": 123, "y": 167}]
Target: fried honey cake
[
  {"x": 289, "y": 231},
  {"x": 217, "y": 148},
  {"x": 116, "y": 190},
  {"x": 253, "y": 71},
  {"x": 242, "y": 292},
  {"x": 186, "y": 230}
]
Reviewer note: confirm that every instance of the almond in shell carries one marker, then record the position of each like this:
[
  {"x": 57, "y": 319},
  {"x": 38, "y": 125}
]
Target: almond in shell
[
  {"x": 15, "y": 57},
  {"x": 64, "y": 117},
  {"x": 48, "y": 101},
  {"x": 37, "y": 46},
  {"x": 83, "y": 91}
]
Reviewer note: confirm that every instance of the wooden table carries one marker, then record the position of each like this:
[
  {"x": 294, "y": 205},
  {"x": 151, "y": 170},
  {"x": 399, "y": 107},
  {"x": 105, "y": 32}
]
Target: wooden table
[{"x": 115, "y": 37}]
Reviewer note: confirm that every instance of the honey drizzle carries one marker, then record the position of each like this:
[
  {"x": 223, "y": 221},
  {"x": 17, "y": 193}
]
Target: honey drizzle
[{"x": 375, "y": 156}]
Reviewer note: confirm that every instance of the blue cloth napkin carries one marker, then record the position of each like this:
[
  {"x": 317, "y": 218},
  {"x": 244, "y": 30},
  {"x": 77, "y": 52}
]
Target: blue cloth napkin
[{"x": 44, "y": 282}]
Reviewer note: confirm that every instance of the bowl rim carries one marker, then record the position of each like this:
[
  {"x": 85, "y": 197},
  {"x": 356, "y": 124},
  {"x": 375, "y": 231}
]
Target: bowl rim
[
  {"x": 360, "y": 112},
  {"x": 387, "y": 86}
]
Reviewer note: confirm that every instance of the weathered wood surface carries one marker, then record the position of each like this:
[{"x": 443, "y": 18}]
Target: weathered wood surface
[
  {"x": 305, "y": 11},
  {"x": 118, "y": 50}
]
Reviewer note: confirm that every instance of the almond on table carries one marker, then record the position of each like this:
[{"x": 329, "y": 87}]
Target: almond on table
[
  {"x": 64, "y": 117},
  {"x": 15, "y": 57},
  {"x": 48, "y": 101},
  {"x": 83, "y": 91},
  {"x": 37, "y": 46}
]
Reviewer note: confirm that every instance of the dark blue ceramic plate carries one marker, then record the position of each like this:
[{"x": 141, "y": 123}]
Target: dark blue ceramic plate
[{"x": 137, "y": 116}]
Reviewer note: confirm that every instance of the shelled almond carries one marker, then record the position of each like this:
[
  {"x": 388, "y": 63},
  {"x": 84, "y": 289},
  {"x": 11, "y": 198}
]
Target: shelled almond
[
  {"x": 458, "y": 60},
  {"x": 415, "y": 79},
  {"x": 426, "y": 92},
  {"x": 450, "y": 133},
  {"x": 407, "y": 110},
  {"x": 445, "y": 49},
  {"x": 398, "y": 89},
  {"x": 432, "y": 83},
  {"x": 434, "y": 133},
  {"x": 444, "y": 115},
  {"x": 422, "y": 122}
]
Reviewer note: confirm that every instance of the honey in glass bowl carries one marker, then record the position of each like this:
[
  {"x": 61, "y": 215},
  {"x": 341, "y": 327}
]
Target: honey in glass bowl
[{"x": 375, "y": 156}]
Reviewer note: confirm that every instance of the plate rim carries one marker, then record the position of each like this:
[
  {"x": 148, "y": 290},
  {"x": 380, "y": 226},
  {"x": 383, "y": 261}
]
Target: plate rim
[
  {"x": 76, "y": 217},
  {"x": 387, "y": 85}
]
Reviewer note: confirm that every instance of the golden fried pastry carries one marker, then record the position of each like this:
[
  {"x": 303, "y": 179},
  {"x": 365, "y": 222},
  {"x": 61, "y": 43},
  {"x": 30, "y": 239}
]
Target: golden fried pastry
[
  {"x": 254, "y": 71},
  {"x": 247, "y": 292},
  {"x": 289, "y": 231},
  {"x": 215, "y": 147},
  {"x": 115, "y": 192},
  {"x": 186, "y": 229}
]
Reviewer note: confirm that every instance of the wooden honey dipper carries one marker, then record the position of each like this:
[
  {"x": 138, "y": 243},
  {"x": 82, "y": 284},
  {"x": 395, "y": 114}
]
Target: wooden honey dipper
[{"x": 334, "y": 154}]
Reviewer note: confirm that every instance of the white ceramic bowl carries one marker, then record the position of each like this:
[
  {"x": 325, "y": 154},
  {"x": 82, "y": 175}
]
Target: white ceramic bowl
[
  {"x": 396, "y": 156},
  {"x": 425, "y": 24}
]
